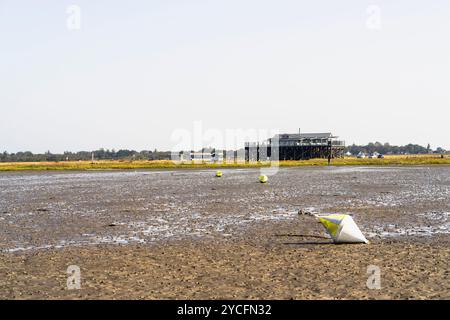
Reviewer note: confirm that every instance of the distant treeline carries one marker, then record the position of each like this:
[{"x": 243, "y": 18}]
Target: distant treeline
[
  {"x": 386, "y": 148},
  {"x": 103, "y": 154},
  {"x": 100, "y": 154}
]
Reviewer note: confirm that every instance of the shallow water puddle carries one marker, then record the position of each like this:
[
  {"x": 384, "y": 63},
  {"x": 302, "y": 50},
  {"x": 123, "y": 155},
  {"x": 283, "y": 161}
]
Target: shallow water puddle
[
  {"x": 162, "y": 229},
  {"x": 435, "y": 223}
]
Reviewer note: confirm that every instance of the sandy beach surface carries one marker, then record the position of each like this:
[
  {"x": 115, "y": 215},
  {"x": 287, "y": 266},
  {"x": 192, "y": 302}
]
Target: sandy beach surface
[{"x": 186, "y": 234}]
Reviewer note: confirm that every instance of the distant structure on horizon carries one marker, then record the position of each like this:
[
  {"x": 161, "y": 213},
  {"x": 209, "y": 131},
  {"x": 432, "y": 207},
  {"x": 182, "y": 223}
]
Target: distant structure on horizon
[{"x": 296, "y": 146}]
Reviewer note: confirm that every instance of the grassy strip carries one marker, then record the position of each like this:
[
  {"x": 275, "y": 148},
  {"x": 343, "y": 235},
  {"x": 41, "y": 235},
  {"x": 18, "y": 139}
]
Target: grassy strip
[{"x": 166, "y": 164}]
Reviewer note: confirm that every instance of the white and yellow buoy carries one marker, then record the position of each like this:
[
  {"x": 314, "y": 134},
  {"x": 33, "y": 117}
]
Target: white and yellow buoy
[
  {"x": 263, "y": 178},
  {"x": 342, "y": 228}
]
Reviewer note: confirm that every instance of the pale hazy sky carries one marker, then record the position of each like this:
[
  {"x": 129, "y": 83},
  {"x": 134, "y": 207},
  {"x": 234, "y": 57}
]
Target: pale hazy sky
[{"x": 138, "y": 71}]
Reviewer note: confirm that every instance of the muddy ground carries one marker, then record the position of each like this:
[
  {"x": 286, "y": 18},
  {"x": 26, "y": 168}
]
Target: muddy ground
[{"x": 187, "y": 234}]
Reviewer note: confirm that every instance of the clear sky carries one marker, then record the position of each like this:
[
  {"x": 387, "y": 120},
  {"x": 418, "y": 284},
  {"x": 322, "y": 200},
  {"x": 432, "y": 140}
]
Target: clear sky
[{"x": 132, "y": 73}]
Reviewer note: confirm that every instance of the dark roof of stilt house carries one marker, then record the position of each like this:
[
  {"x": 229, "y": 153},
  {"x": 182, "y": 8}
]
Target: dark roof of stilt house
[{"x": 299, "y": 136}]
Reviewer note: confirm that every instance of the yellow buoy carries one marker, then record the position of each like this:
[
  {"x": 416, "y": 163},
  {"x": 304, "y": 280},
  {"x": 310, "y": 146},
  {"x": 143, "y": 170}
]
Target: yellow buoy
[
  {"x": 263, "y": 178},
  {"x": 219, "y": 174}
]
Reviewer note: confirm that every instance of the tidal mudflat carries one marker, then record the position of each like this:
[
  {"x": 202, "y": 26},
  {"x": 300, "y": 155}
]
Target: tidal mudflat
[{"x": 187, "y": 234}]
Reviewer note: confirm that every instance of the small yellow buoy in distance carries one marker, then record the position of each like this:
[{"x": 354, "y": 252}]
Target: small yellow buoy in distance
[
  {"x": 218, "y": 174},
  {"x": 263, "y": 178}
]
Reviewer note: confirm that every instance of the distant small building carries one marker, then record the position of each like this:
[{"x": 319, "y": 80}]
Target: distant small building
[
  {"x": 361, "y": 155},
  {"x": 205, "y": 155}
]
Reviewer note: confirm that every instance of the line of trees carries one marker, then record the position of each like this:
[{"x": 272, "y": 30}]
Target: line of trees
[
  {"x": 101, "y": 154},
  {"x": 386, "y": 148}
]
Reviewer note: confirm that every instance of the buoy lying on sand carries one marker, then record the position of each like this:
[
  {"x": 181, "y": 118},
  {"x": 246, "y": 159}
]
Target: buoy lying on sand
[
  {"x": 219, "y": 174},
  {"x": 263, "y": 178},
  {"x": 342, "y": 228}
]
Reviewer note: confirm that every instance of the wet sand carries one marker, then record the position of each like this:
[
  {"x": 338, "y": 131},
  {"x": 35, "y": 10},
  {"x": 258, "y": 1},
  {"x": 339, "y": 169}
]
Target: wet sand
[{"x": 187, "y": 234}]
